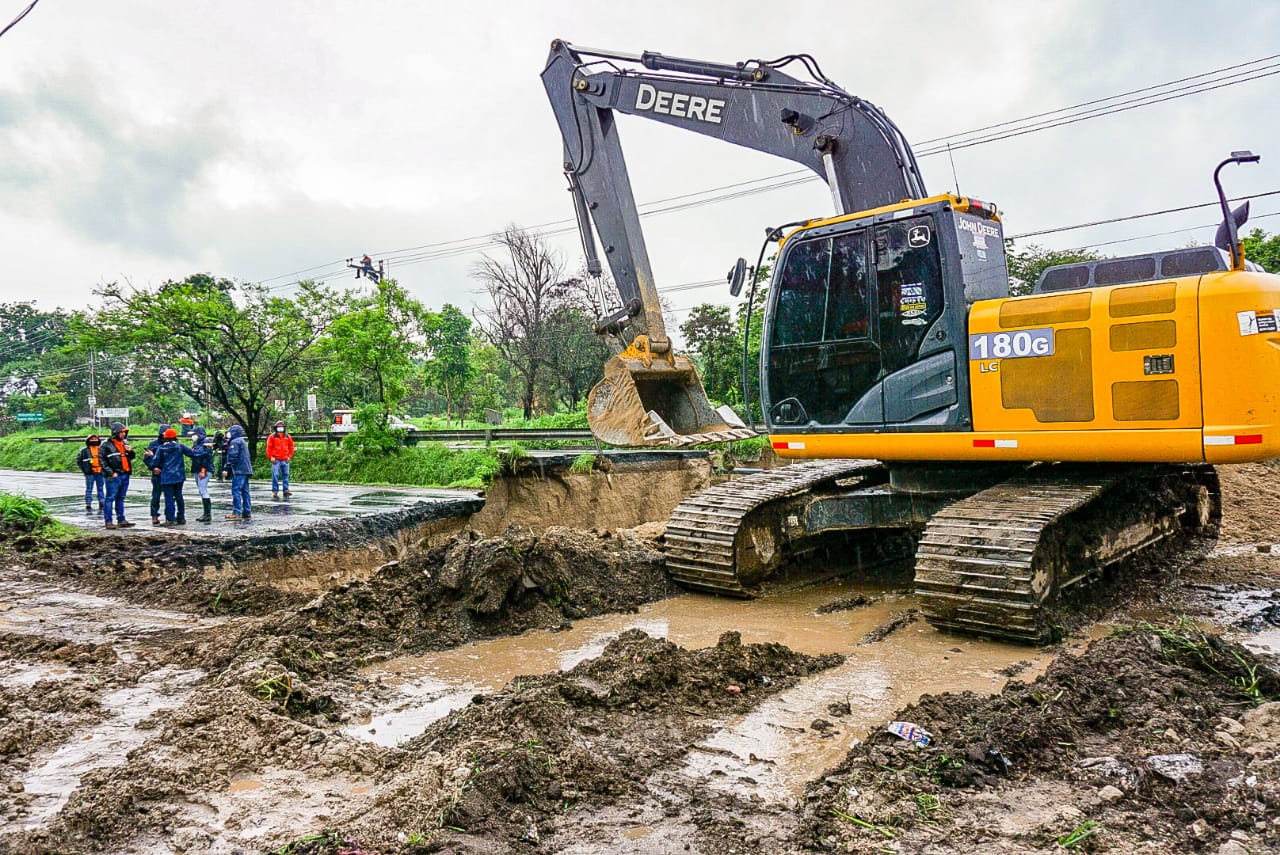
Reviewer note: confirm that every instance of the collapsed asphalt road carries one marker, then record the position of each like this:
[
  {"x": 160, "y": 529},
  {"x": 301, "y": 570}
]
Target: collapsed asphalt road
[{"x": 63, "y": 494}]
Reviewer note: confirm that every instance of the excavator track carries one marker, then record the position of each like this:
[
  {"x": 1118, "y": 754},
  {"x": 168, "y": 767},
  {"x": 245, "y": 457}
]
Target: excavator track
[
  {"x": 711, "y": 543},
  {"x": 992, "y": 564}
]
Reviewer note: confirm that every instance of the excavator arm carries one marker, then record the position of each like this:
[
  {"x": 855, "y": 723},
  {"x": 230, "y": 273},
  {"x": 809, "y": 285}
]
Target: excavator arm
[{"x": 649, "y": 395}]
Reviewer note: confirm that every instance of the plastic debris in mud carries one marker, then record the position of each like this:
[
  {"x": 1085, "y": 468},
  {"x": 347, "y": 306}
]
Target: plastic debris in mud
[{"x": 910, "y": 732}]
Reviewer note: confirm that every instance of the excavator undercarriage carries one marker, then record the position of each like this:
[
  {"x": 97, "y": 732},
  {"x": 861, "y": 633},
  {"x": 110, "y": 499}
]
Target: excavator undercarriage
[{"x": 991, "y": 559}]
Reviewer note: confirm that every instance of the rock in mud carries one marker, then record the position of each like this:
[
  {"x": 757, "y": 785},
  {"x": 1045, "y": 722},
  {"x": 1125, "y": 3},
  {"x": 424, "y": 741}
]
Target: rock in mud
[{"x": 1175, "y": 767}]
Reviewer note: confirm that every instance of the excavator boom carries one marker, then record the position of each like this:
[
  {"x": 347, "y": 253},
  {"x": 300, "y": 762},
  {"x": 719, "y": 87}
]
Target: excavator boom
[{"x": 650, "y": 395}]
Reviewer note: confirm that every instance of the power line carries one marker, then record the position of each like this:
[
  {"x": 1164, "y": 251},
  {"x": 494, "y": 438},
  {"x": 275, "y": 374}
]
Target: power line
[
  {"x": 1214, "y": 203},
  {"x": 1017, "y": 127},
  {"x": 952, "y": 137},
  {"x": 21, "y": 15}
]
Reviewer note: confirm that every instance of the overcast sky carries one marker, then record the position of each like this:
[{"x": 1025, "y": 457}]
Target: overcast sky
[{"x": 149, "y": 139}]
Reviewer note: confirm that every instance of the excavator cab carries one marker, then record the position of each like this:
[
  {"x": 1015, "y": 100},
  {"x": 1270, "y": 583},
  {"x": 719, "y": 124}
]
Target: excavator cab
[{"x": 866, "y": 324}]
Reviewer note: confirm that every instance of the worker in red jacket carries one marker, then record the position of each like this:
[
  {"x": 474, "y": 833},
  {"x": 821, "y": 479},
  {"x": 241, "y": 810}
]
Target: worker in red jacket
[{"x": 279, "y": 452}]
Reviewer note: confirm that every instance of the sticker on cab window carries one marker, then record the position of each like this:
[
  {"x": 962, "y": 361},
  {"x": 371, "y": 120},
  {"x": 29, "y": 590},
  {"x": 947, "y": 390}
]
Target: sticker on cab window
[{"x": 911, "y": 301}]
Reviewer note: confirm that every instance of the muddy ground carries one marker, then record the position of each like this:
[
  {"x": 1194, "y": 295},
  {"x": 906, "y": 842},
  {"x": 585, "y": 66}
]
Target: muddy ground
[{"x": 151, "y": 701}]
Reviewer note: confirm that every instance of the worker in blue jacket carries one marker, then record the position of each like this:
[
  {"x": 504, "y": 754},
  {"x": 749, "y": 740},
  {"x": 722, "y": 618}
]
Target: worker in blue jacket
[
  {"x": 149, "y": 458},
  {"x": 169, "y": 465},
  {"x": 202, "y": 469},
  {"x": 239, "y": 467}
]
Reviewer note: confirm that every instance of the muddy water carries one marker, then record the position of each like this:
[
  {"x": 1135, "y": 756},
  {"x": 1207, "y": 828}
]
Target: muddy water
[
  {"x": 52, "y": 780},
  {"x": 29, "y": 608},
  {"x": 770, "y": 752}
]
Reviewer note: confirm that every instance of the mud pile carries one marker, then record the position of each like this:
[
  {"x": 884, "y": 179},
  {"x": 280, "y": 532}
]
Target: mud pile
[
  {"x": 169, "y": 571},
  {"x": 475, "y": 588},
  {"x": 1154, "y": 737},
  {"x": 1251, "y": 501},
  {"x": 504, "y": 768}
]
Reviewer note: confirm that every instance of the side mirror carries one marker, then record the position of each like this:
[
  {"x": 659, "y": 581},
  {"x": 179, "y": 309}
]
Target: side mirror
[{"x": 737, "y": 276}]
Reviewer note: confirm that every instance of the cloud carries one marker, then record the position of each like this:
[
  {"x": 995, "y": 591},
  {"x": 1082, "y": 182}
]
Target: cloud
[{"x": 109, "y": 173}]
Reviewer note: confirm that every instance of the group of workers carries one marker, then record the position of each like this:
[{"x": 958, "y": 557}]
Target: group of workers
[{"x": 108, "y": 466}]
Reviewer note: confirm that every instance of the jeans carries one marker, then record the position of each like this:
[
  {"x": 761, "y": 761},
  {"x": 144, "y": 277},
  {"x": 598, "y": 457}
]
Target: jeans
[
  {"x": 117, "y": 487},
  {"x": 240, "y": 495},
  {"x": 202, "y": 484},
  {"x": 279, "y": 475},
  {"x": 89, "y": 481},
  {"x": 156, "y": 492},
  {"x": 173, "y": 502}
]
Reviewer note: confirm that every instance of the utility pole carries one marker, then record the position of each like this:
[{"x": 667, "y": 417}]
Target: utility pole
[{"x": 93, "y": 395}]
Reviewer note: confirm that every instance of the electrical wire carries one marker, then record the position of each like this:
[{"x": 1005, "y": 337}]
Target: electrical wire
[
  {"x": 738, "y": 190},
  {"x": 21, "y": 15},
  {"x": 953, "y": 137}
]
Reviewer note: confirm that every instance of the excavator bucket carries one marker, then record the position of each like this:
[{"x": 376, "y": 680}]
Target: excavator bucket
[{"x": 652, "y": 403}]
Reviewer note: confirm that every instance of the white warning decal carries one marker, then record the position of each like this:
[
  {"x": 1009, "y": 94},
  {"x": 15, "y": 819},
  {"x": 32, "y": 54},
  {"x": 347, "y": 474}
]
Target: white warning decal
[{"x": 1259, "y": 321}]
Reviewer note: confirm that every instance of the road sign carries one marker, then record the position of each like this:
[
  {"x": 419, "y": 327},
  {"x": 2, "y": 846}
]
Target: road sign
[
  {"x": 29, "y": 417},
  {"x": 311, "y": 403},
  {"x": 113, "y": 412},
  {"x": 93, "y": 401},
  {"x": 279, "y": 404}
]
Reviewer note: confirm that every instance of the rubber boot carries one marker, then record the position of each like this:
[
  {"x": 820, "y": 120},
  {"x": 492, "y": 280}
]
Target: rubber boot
[{"x": 208, "y": 511}]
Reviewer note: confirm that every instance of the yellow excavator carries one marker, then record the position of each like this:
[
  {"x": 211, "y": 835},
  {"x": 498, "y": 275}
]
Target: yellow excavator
[{"x": 1019, "y": 445}]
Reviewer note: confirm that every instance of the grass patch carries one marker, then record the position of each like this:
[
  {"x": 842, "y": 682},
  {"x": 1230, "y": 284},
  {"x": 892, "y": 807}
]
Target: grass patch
[
  {"x": 26, "y": 514},
  {"x": 583, "y": 464},
  {"x": 1079, "y": 834},
  {"x": 427, "y": 464}
]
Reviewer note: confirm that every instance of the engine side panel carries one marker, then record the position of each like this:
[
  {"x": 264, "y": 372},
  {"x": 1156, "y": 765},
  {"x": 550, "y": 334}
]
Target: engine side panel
[
  {"x": 1174, "y": 371},
  {"x": 1120, "y": 358}
]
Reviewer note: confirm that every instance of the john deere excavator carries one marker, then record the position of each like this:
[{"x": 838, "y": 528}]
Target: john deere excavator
[{"x": 1020, "y": 445}]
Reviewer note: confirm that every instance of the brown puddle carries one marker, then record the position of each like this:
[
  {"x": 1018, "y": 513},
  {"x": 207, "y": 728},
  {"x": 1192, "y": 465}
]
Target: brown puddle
[{"x": 772, "y": 751}]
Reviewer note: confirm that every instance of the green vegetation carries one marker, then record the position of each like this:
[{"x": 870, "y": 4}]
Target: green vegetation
[
  {"x": 1079, "y": 834},
  {"x": 1264, "y": 250},
  {"x": 583, "y": 464},
  {"x": 428, "y": 464},
  {"x": 30, "y": 515}
]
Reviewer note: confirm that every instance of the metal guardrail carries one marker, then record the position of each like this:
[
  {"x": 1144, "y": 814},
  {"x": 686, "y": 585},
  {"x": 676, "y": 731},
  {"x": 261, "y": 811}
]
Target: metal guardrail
[{"x": 487, "y": 436}]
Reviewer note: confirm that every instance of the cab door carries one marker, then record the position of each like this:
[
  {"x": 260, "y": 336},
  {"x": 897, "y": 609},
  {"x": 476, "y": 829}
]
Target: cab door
[{"x": 821, "y": 354}]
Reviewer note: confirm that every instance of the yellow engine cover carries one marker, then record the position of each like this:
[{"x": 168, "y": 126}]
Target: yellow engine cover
[{"x": 1178, "y": 370}]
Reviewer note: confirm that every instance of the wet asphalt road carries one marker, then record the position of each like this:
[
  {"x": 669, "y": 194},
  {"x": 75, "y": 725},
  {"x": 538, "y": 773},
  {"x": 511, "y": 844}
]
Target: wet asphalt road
[{"x": 310, "y": 503}]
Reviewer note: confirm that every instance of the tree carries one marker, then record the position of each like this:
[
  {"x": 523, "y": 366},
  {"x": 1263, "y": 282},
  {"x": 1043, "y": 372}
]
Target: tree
[
  {"x": 525, "y": 290},
  {"x": 1026, "y": 265},
  {"x": 203, "y": 339},
  {"x": 1263, "y": 250},
  {"x": 575, "y": 353},
  {"x": 449, "y": 367},
  {"x": 374, "y": 342},
  {"x": 494, "y": 380},
  {"x": 716, "y": 341}
]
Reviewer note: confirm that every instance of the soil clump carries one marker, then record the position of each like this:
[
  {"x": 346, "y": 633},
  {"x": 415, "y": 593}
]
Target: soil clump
[
  {"x": 500, "y": 772},
  {"x": 473, "y": 588},
  {"x": 1027, "y": 768}
]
